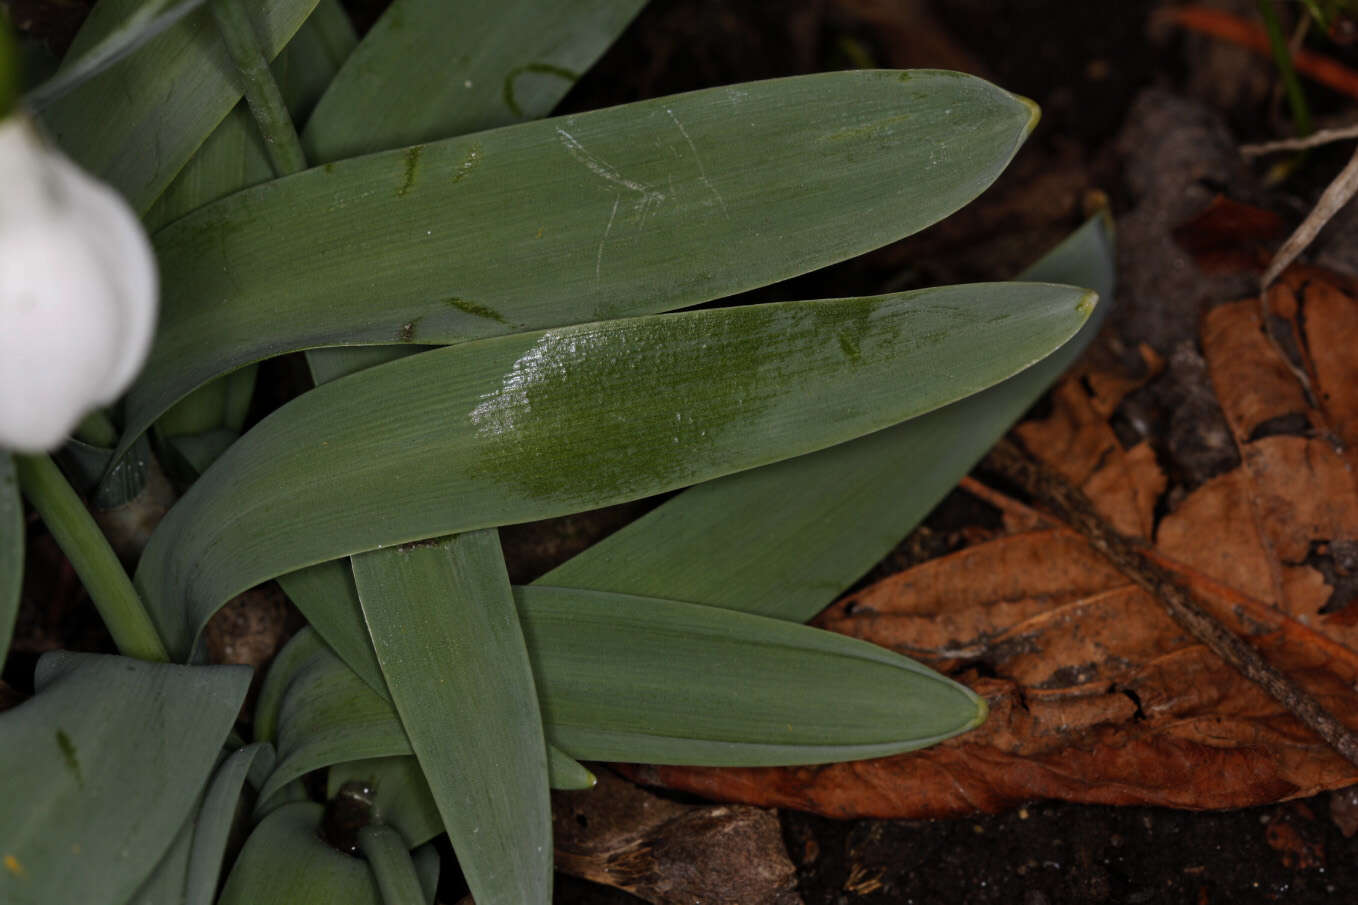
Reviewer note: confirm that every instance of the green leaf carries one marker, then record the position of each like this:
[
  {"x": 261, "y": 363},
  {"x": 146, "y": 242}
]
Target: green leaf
[
  {"x": 101, "y": 768},
  {"x": 443, "y": 623},
  {"x": 400, "y": 796},
  {"x": 533, "y": 425},
  {"x": 657, "y": 681},
  {"x": 452, "y": 68},
  {"x": 11, "y": 551},
  {"x": 392, "y": 864},
  {"x": 630, "y": 210},
  {"x": 285, "y": 862},
  {"x": 138, "y": 123},
  {"x": 823, "y": 519},
  {"x": 214, "y": 821}
]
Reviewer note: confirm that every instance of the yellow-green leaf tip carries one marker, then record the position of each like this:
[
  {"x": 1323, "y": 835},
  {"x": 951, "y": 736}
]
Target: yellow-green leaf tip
[
  {"x": 1085, "y": 306},
  {"x": 1034, "y": 114}
]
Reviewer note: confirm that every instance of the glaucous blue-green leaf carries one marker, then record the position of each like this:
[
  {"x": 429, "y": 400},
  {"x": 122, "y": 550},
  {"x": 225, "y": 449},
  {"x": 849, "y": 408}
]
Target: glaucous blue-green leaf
[
  {"x": 286, "y": 862},
  {"x": 443, "y": 623},
  {"x": 532, "y": 425},
  {"x": 634, "y": 209},
  {"x": 100, "y": 770},
  {"x": 640, "y": 679},
  {"x": 786, "y": 539},
  {"x": 139, "y": 123},
  {"x": 11, "y": 551},
  {"x": 451, "y": 68}
]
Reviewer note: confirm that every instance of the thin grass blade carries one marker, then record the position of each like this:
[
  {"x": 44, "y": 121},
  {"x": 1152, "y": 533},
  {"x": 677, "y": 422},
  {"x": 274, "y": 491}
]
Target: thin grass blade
[
  {"x": 635, "y": 209},
  {"x": 822, "y": 520}
]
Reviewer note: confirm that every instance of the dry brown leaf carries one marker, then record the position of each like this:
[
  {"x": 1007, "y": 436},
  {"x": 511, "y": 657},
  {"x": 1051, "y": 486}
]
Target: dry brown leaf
[{"x": 1096, "y": 694}]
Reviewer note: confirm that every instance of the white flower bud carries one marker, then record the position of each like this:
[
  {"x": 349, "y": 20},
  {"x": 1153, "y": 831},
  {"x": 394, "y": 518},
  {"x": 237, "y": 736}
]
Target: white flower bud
[{"x": 77, "y": 292}]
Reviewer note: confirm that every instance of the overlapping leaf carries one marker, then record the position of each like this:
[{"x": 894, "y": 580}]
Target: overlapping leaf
[
  {"x": 538, "y": 424},
  {"x": 286, "y": 862},
  {"x": 105, "y": 738},
  {"x": 634, "y": 209}
]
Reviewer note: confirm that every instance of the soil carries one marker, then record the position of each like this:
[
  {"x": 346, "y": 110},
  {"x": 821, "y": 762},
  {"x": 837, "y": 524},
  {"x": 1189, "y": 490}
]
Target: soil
[{"x": 1145, "y": 115}]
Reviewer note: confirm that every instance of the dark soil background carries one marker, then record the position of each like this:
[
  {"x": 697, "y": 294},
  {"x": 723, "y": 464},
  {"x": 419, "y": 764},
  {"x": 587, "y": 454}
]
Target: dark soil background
[{"x": 1144, "y": 114}]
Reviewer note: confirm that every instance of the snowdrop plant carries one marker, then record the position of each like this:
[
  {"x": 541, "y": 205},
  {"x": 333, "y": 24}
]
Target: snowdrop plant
[{"x": 491, "y": 308}]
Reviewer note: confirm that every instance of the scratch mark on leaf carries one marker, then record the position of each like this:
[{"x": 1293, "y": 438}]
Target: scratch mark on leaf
[
  {"x": 599, "y": 255},
  {"x": 698, "y": 159},
  {"x": 648, "y": 196}
]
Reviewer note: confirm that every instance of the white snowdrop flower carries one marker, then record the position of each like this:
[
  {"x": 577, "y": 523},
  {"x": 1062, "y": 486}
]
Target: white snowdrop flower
[{"x": 77, "y": 292}]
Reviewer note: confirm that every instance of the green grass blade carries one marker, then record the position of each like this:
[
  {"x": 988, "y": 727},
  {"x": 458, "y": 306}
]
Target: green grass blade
[
  {"x": 641, "y": 679},
  {"x": 449, "y": 68},
  {"x": 822, "y": 520},
  {"x": 532, "y": 425},
  {"x": 11, "y": 551},
  {"x": 138, "y": 123},
  {"x": 107, "y": 761},
  {"x": 400, "y": 795},
  {"x": 443, "y": 623},
  {"x": 630, "y": 210},
  {"x": 285, "y": 862}
]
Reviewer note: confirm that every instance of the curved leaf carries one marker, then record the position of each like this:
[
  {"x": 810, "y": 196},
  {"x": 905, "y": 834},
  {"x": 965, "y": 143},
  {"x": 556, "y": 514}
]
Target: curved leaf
[
  {"x": 630, "y": 210},
  {"x": 101, "y": 769},
  {"x": 532, "y": 425},
  {"x": 138, "y": 123},
  {"x": 824, "y": 519},
  {"x": 447, "y": 636},
  {"x": 214, "y": 820},
  {"x": 285, "y": 862}
]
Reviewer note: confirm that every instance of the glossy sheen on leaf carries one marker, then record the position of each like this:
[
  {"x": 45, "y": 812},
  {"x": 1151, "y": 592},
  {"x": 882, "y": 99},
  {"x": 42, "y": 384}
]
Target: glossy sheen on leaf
[
  {"x": 101, "y": 769},
  {"x": 640, "y": 679},
  {"x": 823, "y": 519},
  {"x": 630, "y": 210},
  {"x": 446, "y": 632},
  {"x": 285, "y": 862},
  {"x": 533, "y": 425},
  {"x": 452, "y": 68},
  {"x": 11, "y": 551},
  {"x": 138, "y": 123}
]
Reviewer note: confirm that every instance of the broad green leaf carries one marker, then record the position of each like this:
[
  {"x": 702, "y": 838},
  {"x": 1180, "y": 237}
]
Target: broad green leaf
[
  {"x": 646, "y": 680},
  {"x": 285, "y": 862},
  {"x": 326, "y": 596},
  {"x": 634, "y": 209},
  {"x": 443, "y": 624},
  {"x": 400, "y": 795},
  {"x": 138, "y": 123},
  {"x": 532, "y": 425},
  {"x": 11, "y": 551},
  {"x": 818, "y": 522},
  {"x": 449, "y": 68},
  {"x": 101, "y": 768}
]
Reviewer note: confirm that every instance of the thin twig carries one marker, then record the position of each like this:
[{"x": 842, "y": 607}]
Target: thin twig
[
  {"x": 1314, "y": 140},
  {"x": 1336, "y": 195},
  {"x": 1074, "y": 508}
]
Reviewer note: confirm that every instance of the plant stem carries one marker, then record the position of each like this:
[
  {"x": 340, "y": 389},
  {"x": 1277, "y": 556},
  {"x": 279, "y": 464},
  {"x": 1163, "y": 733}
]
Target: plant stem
[
  {"x": 390, "y": 860},
  {"x": 1282, "y": 58},
  {"x": 94, "y": 561},
  {"x": 261, "y": 90}
]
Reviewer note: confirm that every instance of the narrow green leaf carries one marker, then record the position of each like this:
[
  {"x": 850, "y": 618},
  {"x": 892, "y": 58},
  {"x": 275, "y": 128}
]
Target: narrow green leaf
[
  {"x": 443, "y": 623},
  {"x": 285, "y": 666},
  {"x": 630, "y": 210},
  {"x": 823, "y": 519},
  {"x": 452, "y": 68},
  {"x": 285, "y": 862},
  {"x": 392, "y": 865},
  {"x": 165, "y": 886},
  {"x": 532, "y": 425},
  {"x": 400, "y": 795},
  {"x": 138, "y": 123},
  {"x": 101, "y": 768},
  {"x": 214, "y": 821},
  {"x": 11, "y": 551},
  {"x": 647, "y": 680}
]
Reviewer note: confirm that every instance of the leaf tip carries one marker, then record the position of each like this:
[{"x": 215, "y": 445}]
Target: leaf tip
[
  {"x": 1034, "y": 114},
  {"x": 1085, "y": 305}
]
